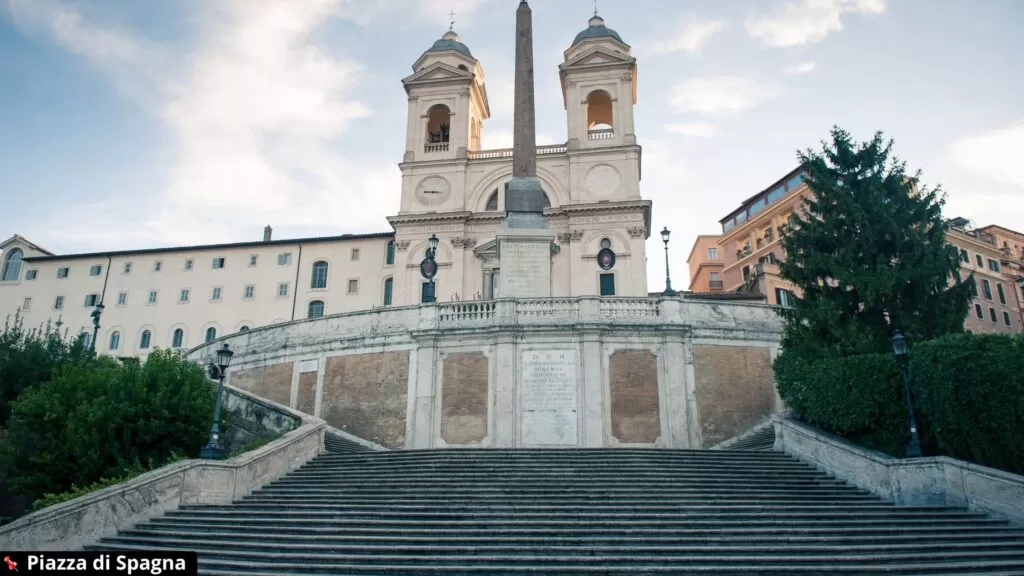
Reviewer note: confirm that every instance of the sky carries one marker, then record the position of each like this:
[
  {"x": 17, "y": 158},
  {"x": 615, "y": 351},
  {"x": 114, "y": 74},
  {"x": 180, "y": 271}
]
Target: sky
[{"x": 145, "y": 124}]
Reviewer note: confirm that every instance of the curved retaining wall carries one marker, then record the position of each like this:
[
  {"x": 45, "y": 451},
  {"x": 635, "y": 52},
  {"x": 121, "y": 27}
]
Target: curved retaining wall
[{"x": 585, "y": 371}]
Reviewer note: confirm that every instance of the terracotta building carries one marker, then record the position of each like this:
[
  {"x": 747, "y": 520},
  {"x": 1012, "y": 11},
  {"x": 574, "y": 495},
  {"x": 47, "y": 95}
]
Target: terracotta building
[{"x": 745, "y": 257}]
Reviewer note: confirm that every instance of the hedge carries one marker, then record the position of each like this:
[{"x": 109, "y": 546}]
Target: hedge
[{"x": 968, "y": 392}]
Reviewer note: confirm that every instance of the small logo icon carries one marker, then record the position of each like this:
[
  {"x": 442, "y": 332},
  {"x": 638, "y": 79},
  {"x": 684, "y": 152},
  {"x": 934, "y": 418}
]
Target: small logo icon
[{"x": 12, "y": 566}]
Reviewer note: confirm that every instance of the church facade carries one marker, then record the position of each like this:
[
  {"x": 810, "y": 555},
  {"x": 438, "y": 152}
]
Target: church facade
[{"x": 451, "y": 188}]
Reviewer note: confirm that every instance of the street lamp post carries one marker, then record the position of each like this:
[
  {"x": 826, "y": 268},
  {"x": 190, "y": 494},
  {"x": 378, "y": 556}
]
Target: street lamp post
[
  {"x": 218, "y": 370},
  {"x": 96, "y": 313},
  {"x": 428, "y": 268},
  {"x": 899, "y": 347},
  {"x": 668, "y": 278}
]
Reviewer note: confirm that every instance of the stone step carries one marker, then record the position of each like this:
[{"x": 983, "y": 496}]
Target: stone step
[
  {"x": 209, "y": 547},
  {"x": 564, "y": 484},
  {"x": 626, "y": 494},
  {"x": 732, "y": 537},
  {"x": 448, "y": 499},
  {"x": 706, "y": 513},
  {"x": 560, "y": 469},
  {"x": 211, "y": 557},
  {"x": 570, "y": 528},
  {"x": 394, "y": 458},
  {"x": 516, "y": 507}
]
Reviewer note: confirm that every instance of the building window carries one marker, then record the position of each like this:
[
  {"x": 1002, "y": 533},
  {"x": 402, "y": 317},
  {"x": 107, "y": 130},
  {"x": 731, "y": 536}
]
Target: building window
[
  {"x": 58, "y": 303},
  {"x": 353, "y": 286},
  {"x": 987, "y": 289},
  {"x": 178, "y": 338},
  {"x": 712, "y": 253},
  {"x": 978, "y": 312},
  {"x": 964, "y": 256},
  {"x": 389, "y": 253},
  {"x": 316, "y": 309},
  {"x": 388, "y": 287},
  {"x": 122, "y": 298},
  {"x": 999, "y": 291},
  {"x": 785, "y": 297},
  {"x": 152, "y": 297},
  {"x": 284, "y": 258},
  {"x": 12, "y": 265},
  {"x": 243, "y": 329},
  {"x": 282, "y": 290},
  {"x": 216, "y": 294},
  {"x": 31, "y": 274},
  {"x": 147, "y": 337},
  {"x": 355, "y": 254},
  {"x": 185, "y": 293},
  {"x": 91, "y": 300},
  {"x": 157, "y": 266},
  {"x": 974, "y": 289},
  {"x": 1006, "y": 317},
  {"x": 250, "y": 291},
  {"x": 993, "y": 265},
  {"x": 218, "y": 263},
  {"x": 980, "y": 260},
  {"x": 27, "y": 305},
  {"x": 189, "y": 263},
  {"x": 211, "y": 334},
  {"x": 253, "y": 259},
  {"x": 992, "y": 314},
  {"x": 715, "y": 281},
  {"x": 605, "y": 243},
  {"x": 607, "y": 283},
  {"x": 85, "y": 339},
  {"x": 319, "y": 277},
  {"x": 427, "y": 291},
  {"x": 95, "y": 270},
  {"x": 127, "y": 268},
  {"x": 115, "y": 340},
  {"x": 62, "y": 272}
]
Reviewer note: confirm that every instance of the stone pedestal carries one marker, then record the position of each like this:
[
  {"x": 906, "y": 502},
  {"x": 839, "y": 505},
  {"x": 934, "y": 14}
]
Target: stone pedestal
[{"x": 525, "y": 256}]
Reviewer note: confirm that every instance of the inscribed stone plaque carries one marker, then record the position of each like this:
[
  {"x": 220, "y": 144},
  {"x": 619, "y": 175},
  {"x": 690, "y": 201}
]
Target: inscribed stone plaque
[
  {"x": 549, "y": 398},
  {"x": 525, "y": 267},
  {"x": 309, "y": 365}
]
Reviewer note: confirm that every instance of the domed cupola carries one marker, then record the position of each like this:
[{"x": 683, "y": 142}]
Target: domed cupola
[
  {"x": 450, "y": 41},
  {"x": 596, "y": 29}
]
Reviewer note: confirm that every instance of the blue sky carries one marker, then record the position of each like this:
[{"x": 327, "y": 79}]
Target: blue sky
[{"x": 141, "y": 124}]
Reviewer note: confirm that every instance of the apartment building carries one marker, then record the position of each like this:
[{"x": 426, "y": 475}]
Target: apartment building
[
  {"x": 746, "y": 256},
  {"x": 183, "y": 296}
]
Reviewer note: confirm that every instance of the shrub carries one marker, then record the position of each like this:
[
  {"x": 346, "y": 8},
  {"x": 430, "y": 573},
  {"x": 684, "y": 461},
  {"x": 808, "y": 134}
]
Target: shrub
[
  {"x": 968, "y": 396},
  {"x": 857, "y": 397},
  {"x": 100, "y": 419},
  {"x": 970, "y": 392}
]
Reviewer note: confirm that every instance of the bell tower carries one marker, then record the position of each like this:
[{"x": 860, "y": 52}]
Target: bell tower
[
  {"x": 599, "y": 88},
  {"x": 447, "y": 102}
]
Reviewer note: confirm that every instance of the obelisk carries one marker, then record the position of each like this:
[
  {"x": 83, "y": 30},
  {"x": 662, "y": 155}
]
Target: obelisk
[{"x": 524, "y": 243}]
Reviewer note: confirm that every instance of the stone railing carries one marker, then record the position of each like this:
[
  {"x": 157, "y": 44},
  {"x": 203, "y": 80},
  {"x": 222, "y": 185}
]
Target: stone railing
[
  {"x": 931, "y": 481},
  {"x": 507, "y": 152},
  {"x": 601, "y": 134},
  {"x": 436, "y": 147},
  {"x": 399, "y": 326},
  {"x": 83, "y": 521}
]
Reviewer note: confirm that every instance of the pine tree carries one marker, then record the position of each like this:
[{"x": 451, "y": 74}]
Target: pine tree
[{"x": 868, "y": 252}]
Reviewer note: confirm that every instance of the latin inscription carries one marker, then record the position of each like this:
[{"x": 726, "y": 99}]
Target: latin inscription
[
  {"x": 525, "y": 269},
  {"x": 430, "y": 229},
  {"x": 549, "y": 401},
  {"x": 309, "y": 365},
  {"x": 608, "y": 218}
]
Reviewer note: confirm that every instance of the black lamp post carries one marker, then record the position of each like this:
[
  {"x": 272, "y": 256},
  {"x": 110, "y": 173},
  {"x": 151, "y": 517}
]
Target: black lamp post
[
  {"x": 428, "y": 268},
  {"x": 219, "y": 369},
  {"x": 899, "y": 347},
  {"x": 96, "y": 313},
  {"x": 668, "y": 278}
]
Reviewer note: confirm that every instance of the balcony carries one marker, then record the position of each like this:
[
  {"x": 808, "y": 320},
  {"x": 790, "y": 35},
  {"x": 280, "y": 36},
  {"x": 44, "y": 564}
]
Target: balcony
[
  {"x": 601, "y": 134},
  {"x": 507, "y": 152},
  {"x": 436, "y": 147}
]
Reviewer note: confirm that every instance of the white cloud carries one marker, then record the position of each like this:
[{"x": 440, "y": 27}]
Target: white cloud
[
  {"x": 695, "y": 129},
  {"x": 694, "y": 36},
  {"x": 720, "y": 95},
  {"x": 995, "y": 154},
  {"x": 801, "y": 68},
  {"x": 256, "y": 111},
  {"x": 808, "y": 21}
]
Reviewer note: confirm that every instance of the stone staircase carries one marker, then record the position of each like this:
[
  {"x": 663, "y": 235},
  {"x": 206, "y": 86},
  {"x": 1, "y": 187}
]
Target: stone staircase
[
  {"x": 597, "y": 511},
  {"x": 763, "y": 439},
  {"x": 337, "y": 444}
]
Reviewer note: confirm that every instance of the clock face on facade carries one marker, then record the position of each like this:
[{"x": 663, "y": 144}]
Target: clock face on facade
[
  {"x": 428, "y": 268},
  {"x": 606, "y": 259}
]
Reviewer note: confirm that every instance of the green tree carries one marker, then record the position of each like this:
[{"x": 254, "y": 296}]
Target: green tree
[
  {"x": 869, "y": 254},
  {"x": 29, "y": 357},
  {"x": 99, "y": 418}
]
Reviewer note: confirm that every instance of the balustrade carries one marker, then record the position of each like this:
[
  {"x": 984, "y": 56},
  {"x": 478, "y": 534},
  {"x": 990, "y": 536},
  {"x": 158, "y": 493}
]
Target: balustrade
[{"x": 601, "y": 134}]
